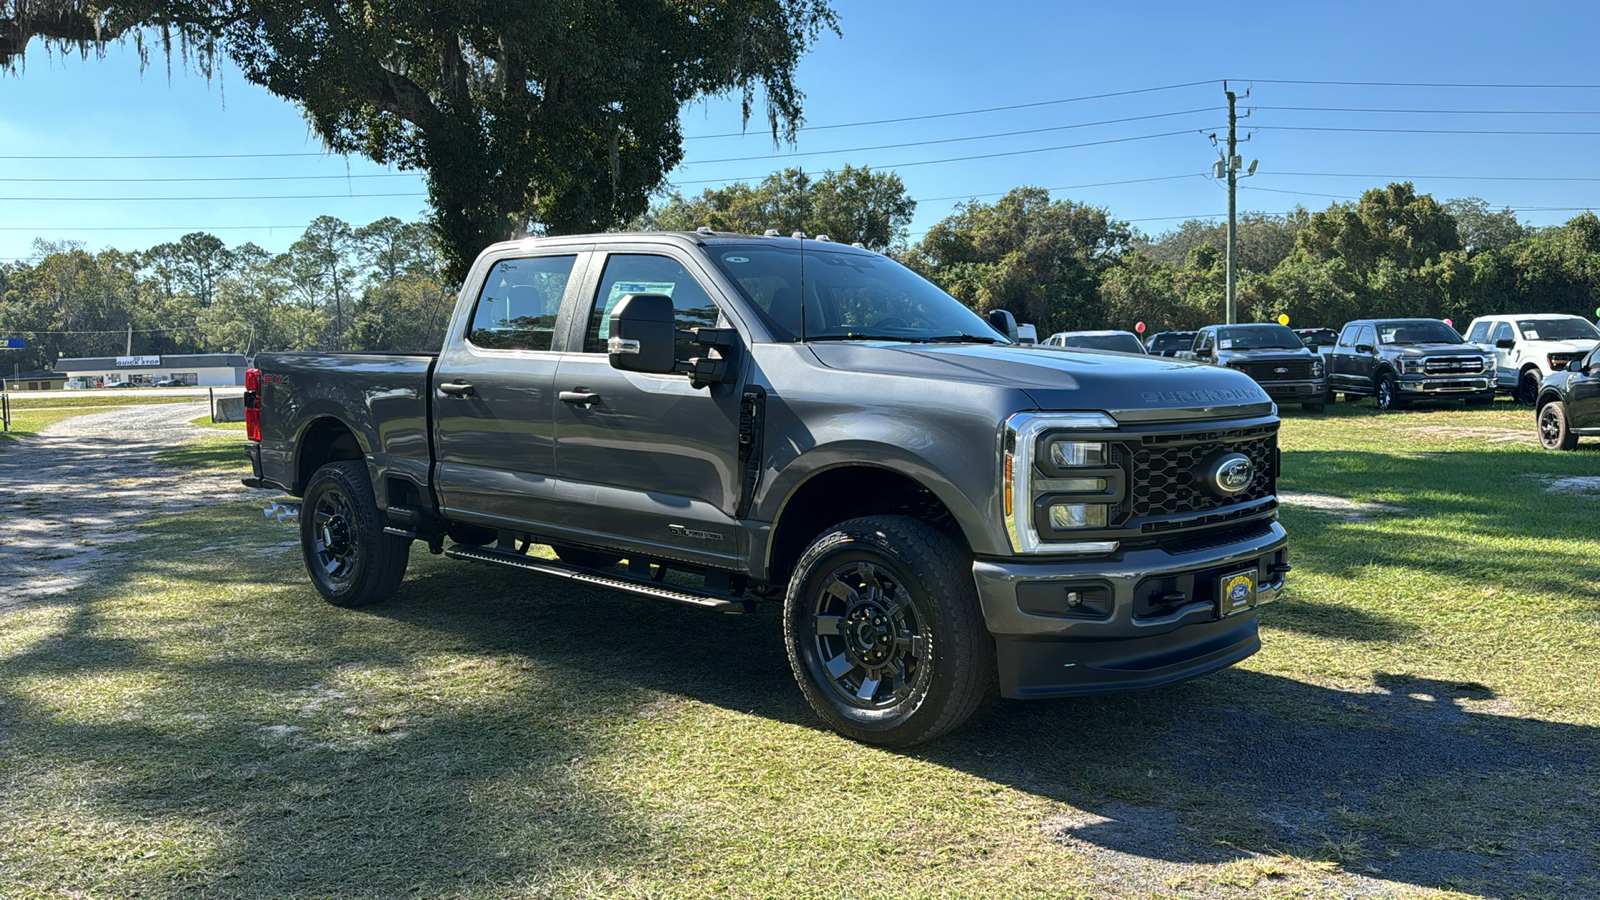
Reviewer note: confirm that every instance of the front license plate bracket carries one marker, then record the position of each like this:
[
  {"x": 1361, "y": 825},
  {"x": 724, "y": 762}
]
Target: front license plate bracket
[{"x": 1236, "y": 592}]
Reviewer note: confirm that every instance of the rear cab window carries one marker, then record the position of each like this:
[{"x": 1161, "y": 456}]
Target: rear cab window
[{"x": 519, "y": 303}]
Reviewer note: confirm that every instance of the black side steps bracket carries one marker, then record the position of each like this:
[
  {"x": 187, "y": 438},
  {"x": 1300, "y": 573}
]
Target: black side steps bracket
[{"x": 631, "y": 583}]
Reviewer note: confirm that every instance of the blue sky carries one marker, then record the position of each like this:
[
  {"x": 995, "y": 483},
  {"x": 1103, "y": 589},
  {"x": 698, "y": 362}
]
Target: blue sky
[{"x": 908, "y": 59}]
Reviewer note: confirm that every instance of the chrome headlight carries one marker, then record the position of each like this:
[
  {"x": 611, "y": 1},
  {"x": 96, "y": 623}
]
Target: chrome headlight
[
  {"x": 1058, "y": 480},
  {"x": 1316, "y": 368}
]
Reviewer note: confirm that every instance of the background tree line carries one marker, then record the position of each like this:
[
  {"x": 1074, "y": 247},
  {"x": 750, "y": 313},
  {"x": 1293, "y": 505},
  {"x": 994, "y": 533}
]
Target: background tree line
[{"x": 1059, "y": 264}]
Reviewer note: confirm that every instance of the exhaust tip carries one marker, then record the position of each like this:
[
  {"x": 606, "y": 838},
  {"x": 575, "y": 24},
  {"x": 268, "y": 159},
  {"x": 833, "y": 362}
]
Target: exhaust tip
[{"x": 283, "y": 513}]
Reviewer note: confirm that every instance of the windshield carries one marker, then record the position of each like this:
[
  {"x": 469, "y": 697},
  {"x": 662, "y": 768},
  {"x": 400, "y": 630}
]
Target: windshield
[
  {"x": 1573, "y": 329},
  {"x": 1122, "y": 342},
  {"x": 1417, "y": 333},
  {"x": 848, "y": 296},
  {"x": 1172, "y": 340},
  {"x": 1258, "y": 337}
]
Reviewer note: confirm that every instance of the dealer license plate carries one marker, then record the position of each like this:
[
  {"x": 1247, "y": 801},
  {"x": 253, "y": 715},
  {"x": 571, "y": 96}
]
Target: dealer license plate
[{"x": 1236, "y": 593}]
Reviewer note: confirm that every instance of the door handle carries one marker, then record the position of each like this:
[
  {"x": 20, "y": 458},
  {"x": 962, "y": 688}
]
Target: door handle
[
  {"x": 579, "y": 397},
  {"x": 457, "y": 390}
]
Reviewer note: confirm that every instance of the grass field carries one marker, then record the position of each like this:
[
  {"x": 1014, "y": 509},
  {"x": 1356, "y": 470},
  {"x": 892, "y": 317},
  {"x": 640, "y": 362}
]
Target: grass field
[{"x": 1424, "y": 720}]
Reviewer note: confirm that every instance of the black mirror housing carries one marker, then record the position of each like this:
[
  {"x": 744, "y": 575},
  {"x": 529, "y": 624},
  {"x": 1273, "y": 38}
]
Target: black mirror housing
[
  {"x": 1003, "y": 321},
  {"x": 644, "y": 334},
  {"x": 1506, "y": 343},
  {"x": 1203, "y": 353}
]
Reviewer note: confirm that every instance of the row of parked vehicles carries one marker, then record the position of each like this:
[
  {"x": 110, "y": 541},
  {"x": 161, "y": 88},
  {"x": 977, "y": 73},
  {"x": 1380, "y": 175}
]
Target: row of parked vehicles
[{"x": 1395, "y": 361}]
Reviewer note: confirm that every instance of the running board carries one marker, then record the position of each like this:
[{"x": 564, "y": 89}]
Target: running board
[{"x": 644, "y": 588}]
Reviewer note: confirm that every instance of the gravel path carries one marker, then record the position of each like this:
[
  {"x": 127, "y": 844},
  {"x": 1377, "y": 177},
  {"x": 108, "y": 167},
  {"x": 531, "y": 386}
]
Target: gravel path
[{"x": 71, "y": 496}]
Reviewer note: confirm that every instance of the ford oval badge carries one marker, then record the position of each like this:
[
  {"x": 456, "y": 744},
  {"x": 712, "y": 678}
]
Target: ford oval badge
[{"x": 1232, "y": 473}]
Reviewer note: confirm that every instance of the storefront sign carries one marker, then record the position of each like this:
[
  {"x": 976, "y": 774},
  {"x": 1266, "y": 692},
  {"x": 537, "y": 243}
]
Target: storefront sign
[{"x": 138, "y": 360}]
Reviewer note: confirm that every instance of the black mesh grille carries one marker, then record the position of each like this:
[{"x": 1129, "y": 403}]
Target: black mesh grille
[
  {"x": 1163, "y": 481},
  {"x": 1267, "y": 370}
]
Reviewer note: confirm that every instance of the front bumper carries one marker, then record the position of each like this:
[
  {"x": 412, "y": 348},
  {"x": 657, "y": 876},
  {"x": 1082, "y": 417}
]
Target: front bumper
[
  {"x": 1445, "y": 384},
  {"x": 1124, "y": 640},
  {"x": 1296, "y": 391}
]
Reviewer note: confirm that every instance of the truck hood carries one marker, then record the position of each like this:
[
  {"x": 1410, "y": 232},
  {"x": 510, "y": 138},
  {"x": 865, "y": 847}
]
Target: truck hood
[
  {"x": 1275, "y": 353},
  {"x": 1410, "y": 350},
  {"x": 1131, "y": 388}
]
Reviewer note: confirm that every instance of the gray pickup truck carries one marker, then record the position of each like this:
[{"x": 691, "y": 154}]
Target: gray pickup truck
[{"x": 720, "y": 420}]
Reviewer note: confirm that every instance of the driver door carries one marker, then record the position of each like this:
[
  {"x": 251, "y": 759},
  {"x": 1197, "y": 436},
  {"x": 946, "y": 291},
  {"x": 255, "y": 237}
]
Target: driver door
[
  {"x": 1505, "y": 364},
  {"x": 1583, "y": 392}
]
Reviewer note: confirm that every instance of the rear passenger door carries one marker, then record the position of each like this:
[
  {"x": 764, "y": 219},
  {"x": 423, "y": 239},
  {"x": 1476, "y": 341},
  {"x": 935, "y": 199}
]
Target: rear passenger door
[
  {"x": 494, "y": 439},
  {"x": 646, "y": 461}
]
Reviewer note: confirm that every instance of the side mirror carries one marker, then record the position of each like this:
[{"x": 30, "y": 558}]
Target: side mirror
[
  {"x": 1363, "y": 348},
  {"x": 1506, "y": 343},
  {"x": 644, "y": 333},
  {"x": 1003, "y": 321},
  {"x": 1203, "y": 353}
]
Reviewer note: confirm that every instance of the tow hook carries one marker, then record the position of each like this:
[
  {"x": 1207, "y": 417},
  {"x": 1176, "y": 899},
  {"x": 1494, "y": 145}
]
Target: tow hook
[{"x": 283, "y": 513}]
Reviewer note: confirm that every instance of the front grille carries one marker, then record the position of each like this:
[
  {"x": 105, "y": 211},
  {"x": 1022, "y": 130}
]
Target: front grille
[
  {"x": 1162, "y": 482},
  {"x": 1275, "y": 370},
  {"x": 1452, "y": 365}
]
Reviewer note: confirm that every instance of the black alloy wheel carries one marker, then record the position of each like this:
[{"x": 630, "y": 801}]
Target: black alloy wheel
[
  {"x": 1553, "y": 431},
  {"x": 350, "y": 559},
  {"x": 1387, "y": 393},
  {"x": 884, "y": 631},
  {"x": 1528, "y": 387}
]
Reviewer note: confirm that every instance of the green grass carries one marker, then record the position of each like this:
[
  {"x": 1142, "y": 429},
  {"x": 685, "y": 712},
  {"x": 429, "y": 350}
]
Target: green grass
[{"x": 1425, "y": 710}]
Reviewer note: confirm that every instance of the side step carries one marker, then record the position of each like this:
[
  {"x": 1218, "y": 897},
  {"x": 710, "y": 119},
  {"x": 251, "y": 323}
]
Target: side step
[{"x": 642, "y": 587}]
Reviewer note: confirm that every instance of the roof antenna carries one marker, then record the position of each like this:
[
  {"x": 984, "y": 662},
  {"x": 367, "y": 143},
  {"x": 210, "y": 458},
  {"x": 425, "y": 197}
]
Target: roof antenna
[{"x": 801, "y": 237}]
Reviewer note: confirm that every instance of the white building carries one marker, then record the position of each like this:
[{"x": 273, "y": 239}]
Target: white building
[{"x": 192, "y": 369}]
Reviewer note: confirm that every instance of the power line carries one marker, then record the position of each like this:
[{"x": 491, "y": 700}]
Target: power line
[
  {"x": 1070, "y": 187},
  {"x": 146, "y": 227},
  {"x": 930, "y": 162},
  {"x": 1302, "y": 193},
  {"x": 207, "y": 199},
  {"x": 971, "y": 112},
  {"x": 227, "y": 178},
  {"x": 185, "y": 156},
  {"x": 1418, "y": 130},
  {"x": 1461, "y": 112},
  {"x": 976, "y": 137},
  {"x": 1425, "y": 84},
  {"x": 1436, "y": 177}
]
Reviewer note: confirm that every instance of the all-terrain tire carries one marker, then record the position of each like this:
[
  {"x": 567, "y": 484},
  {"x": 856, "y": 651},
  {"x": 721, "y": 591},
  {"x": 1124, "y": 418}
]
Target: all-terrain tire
[
  {"x": 1554, "y": 434},
  {"x": 350, "y": 560},
  {"x": 884, "y": 631}
]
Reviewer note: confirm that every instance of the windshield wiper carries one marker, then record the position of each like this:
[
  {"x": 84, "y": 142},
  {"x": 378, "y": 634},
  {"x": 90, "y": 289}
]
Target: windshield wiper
[
  {"x": 858, "y": 336},
  {"x": 961, "y": 339}
]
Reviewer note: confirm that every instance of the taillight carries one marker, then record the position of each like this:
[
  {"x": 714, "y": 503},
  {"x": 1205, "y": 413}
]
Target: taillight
[{"x": 252, "y": 404}]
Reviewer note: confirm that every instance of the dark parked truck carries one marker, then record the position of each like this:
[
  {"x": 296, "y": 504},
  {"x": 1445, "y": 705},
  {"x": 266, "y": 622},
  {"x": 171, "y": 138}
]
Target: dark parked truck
[
  {"x": 1272, "y": 355},
  {"x": 720, "y": 420},
  {"x": 1397, "y": 361}
]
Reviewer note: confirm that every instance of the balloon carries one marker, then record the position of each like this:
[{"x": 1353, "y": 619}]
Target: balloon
[
  {"x": 1450, "y": 323},
  {"x": 1283, "y": 318},
  {"x": 1597, "y": 311},
  {"x": 1139, "y": 327}
]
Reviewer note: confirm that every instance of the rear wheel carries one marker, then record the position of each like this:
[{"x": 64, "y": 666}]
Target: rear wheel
[
  {"x": 1528, "y": 387},
  {"x": 1388, "y": 393},
  {"x": 1553, "y": 431},
  {"x": 350, "y": 560},
  {"x": 884, "y": 632}
]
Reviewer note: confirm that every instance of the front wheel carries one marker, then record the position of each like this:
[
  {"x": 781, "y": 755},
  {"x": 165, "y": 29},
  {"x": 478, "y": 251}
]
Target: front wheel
[
  {"x": 1528, "y": 387},
  {"x": 884, "y": 632},
  {"x": 1387, "y": 393},
  {"x": 1553, "y": 431},
  {"x": 350, "y": 560}
]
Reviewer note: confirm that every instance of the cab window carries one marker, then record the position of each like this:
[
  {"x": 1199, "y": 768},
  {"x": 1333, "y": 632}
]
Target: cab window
[
  {"x": 637, "y": 273},
  {"x": 519, "y": 303},
  {"x": 1503, "y": 332},
  {"x": 1364, "y": 336},
  {"x": 1348, "y": 337},
  {"x": 1479, "y": 333}
]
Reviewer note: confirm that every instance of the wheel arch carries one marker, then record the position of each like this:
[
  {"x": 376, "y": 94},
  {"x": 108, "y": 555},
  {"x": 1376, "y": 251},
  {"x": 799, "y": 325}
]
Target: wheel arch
[
  {"x": 324, "y": 439},
  {"x": 835, "y": 493}
]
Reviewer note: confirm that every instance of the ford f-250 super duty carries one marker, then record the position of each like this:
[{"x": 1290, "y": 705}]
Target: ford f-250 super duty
[{"x": 769, "y": 418}]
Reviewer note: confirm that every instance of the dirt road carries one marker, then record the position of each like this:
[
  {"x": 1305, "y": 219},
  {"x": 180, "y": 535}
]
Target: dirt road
[{"x": 72, "y": 495}]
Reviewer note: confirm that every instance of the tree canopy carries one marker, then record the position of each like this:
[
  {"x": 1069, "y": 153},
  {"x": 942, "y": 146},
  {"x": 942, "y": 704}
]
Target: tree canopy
[
  {"x": 850, "y": 205},
  {"x": 560, "y": 117}
]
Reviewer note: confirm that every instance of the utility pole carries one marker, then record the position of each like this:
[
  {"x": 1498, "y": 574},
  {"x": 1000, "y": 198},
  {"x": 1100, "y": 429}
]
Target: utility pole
[
  {"x": 1228, "y": 167},
  {"x": 129, "y": 350}
]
